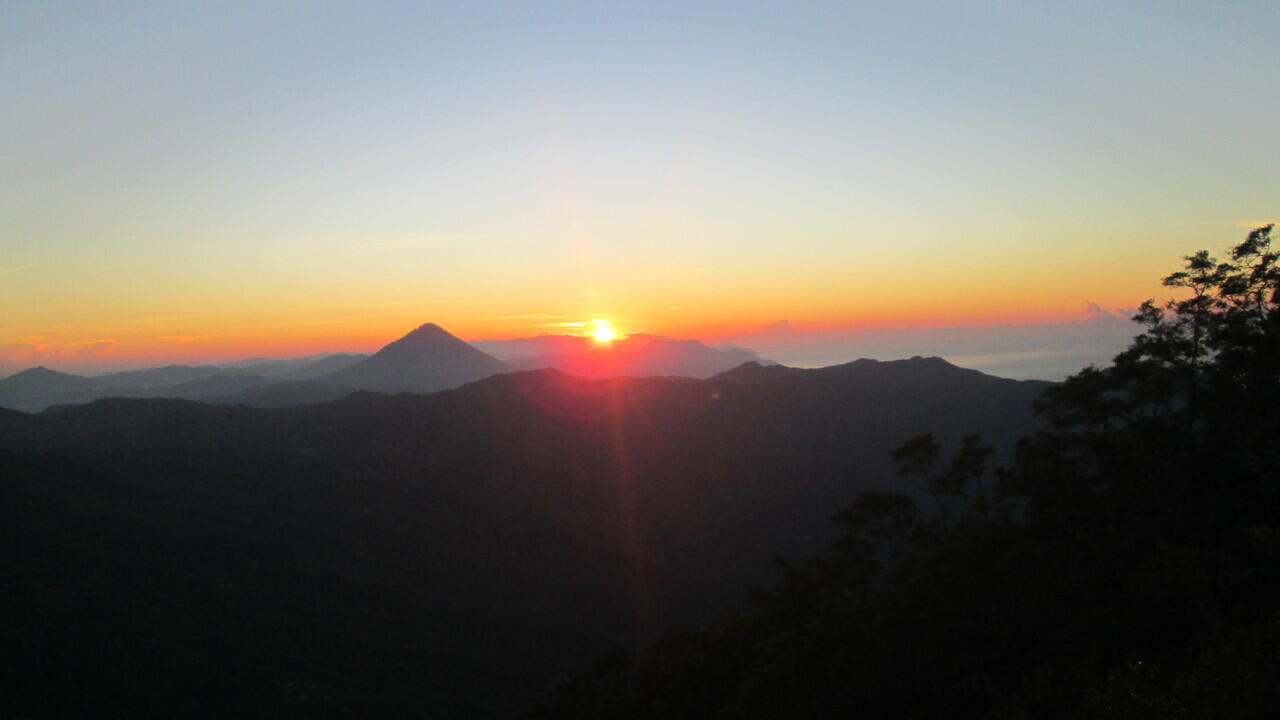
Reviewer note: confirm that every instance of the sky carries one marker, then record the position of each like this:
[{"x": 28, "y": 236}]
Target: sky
[{"x": 206, "y": 181}]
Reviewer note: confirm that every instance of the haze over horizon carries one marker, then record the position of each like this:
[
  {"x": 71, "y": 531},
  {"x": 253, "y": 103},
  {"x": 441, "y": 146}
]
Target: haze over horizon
[
  {"x": 1044, "y": 351},
  {"x": 193, "y": 184}
]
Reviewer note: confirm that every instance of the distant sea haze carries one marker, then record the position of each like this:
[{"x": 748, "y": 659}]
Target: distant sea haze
[
  {"x": 1041, "y": 351},
  {"x": 1052, "y": 365}
]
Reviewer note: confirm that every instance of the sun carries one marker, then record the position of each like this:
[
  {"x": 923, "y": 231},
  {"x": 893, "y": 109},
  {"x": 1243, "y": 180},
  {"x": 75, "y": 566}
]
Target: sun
[{"x": 603, "y": 333}]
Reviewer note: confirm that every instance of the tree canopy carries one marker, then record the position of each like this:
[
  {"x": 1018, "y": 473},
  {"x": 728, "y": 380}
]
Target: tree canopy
[{"x": 1125, "y": 565}]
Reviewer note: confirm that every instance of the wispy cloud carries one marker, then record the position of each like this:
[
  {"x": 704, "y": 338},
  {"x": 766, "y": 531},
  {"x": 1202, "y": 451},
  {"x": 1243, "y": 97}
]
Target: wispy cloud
[
  {"x": 23, "y": 351},
  {"x": 91, "y": 348},
  {"x": 1256, "y": 223},
  {"x": 33, "y": 350}
]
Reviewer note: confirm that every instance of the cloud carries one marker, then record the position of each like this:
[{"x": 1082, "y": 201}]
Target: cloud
[
  {"x": 1096, "y": 312},
  {"x": 1256, "y": 223},
  {"x": 1098, "y": 315},
  {"x": 34, "y": 351},
  {"x": 91, "y": 348},
  {"x": 24, "y": 351},
  {"x": 182, "y": 338}
]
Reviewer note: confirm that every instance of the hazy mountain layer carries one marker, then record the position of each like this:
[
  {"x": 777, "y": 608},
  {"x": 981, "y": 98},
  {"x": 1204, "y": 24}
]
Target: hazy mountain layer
[
  {"x": 299, "y": 368},
  {"x": 634, "y": 356},
  {"x": 38, "y": 388},
  {"x": 428, "y": 359}
]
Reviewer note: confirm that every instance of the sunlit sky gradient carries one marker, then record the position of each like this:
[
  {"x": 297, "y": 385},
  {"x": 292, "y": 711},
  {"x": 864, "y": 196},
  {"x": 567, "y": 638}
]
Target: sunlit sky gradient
[{"x": 206, "y": 181}]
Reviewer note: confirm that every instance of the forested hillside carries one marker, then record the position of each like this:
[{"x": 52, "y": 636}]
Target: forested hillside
[
  {"x": 1126, "y": 565},
  {"x": 452, "y": 554}
]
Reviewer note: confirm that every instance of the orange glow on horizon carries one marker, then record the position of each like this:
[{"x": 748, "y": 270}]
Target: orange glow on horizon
[{"x": 212, "y": 339}]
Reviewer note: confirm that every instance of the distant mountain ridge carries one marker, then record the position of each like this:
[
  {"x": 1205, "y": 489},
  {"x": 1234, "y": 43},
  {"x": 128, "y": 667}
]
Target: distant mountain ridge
[
  {"x": 34, "y": 389},
  {"x": 427, "y": 359},
  {"x": 637, "y": 355},
  {"x": 38, "y": 387}
]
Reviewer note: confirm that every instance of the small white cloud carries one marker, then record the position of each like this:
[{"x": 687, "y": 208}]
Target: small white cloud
[
  {"x": 91, "y": 348},
  {"x": 1096, "y": 312}
]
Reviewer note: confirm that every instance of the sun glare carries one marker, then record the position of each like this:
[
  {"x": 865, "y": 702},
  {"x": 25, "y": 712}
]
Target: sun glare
[{"x": 603, "y": 333}]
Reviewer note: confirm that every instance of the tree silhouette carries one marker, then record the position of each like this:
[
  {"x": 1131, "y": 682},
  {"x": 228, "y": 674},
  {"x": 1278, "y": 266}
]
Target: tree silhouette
[
  {"x": 1131, "y": 572},
  {"x": 1211, "y": 354},
  {"x": 952, "y": 487}
]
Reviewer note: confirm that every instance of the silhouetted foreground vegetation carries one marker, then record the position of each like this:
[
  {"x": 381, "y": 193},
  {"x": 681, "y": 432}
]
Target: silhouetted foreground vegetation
[{"x": 1125, "y": 565}]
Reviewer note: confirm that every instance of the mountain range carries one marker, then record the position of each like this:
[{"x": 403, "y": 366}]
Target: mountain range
[
  {"x": 36, "y": 388},
  {"x": 427, "y": 359},
  {"x": 638, "y": 355},
  {"x": 450, "y": 554}
]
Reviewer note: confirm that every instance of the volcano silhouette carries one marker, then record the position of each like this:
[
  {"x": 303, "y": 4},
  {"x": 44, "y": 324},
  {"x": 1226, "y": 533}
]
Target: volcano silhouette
[{"x": 426, "y": 360}]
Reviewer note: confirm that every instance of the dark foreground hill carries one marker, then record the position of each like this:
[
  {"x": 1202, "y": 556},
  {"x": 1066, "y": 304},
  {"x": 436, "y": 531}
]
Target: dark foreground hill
[{"x": 445, "y": 555}]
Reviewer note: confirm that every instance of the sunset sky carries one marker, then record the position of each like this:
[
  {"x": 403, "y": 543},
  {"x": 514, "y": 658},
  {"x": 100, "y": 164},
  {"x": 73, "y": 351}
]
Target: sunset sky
[{"x": 208, "y": 181}]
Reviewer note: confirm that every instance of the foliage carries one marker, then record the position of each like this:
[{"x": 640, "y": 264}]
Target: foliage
[{"x": 1125, "y": 566}]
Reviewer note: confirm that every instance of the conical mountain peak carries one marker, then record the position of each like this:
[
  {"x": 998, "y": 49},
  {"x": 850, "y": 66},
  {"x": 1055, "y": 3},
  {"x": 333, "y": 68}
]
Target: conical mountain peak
[
  {"x": 429, "y": 329},
  {"x": 427, "y": 337},
  {"x": 42, "y": 374},
  {"x": 39, "y": 370},
  {"x": 427, "y": 359}
]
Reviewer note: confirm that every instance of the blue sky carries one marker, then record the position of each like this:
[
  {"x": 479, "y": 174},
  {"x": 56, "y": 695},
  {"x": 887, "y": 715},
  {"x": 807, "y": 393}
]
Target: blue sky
[{"x": 296, "y": 170}]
